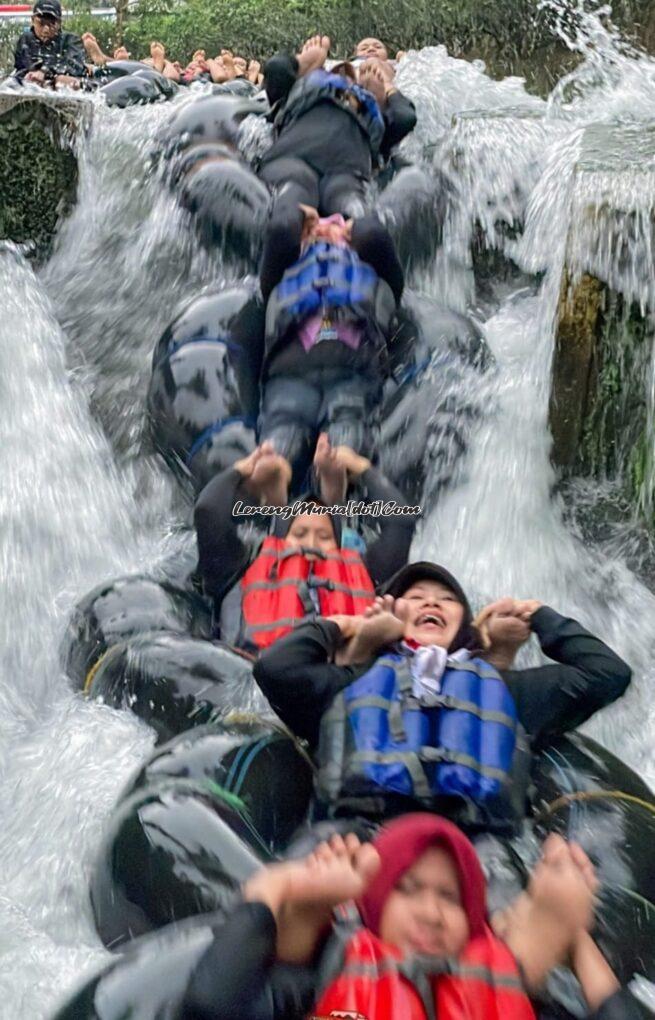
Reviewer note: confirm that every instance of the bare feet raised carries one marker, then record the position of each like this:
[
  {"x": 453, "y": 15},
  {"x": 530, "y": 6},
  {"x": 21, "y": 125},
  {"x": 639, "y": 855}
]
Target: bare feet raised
[
  {"x": 545, "y": 923},
  {"x": 158, "y": 54},
  {"x": 331, "y": 474},
  {"x": 372, "y": 79},
  {"x": 302, "y": 894},
  {"x": 313, "y": 54},
  {"x": 121, "y": 53},
  {"x": 504, "y": 626},
  {"x": 266, "y": 475},
  {"x": 93, "y": 51},
  {"x": 254, "y": 72},
  {"x": 383, "y": 624}
]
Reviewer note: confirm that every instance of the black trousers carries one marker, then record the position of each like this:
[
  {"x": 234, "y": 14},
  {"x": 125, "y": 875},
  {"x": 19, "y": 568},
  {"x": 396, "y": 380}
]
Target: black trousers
[
  {"x": 297, "y": 408},
  {"x": 298, "y": 182}
]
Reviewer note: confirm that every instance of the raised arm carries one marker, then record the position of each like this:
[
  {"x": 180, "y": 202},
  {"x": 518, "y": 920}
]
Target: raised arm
[
  {"x": 222, "y": 556},
  {"x": 554, "y": 699},
  {"x": 399, "y": 120},
  {"x": 299, "y": 678}
]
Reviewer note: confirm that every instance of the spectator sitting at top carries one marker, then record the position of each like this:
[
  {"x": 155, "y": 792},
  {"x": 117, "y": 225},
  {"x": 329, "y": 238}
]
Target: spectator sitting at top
[{"x": 44, "y": 54}]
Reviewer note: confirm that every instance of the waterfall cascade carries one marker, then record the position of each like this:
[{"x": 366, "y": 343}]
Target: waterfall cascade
[{"x": 542, "y": 192}]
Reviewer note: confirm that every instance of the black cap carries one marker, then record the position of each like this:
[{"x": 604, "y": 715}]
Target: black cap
[
  {"x": 280, "y": 526},
  {"x": 403, "y": 579},
  {"x": 48, "y": 8}
]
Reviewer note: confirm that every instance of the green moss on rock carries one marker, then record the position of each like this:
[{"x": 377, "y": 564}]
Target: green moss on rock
[{"x": 38, "y": 165}]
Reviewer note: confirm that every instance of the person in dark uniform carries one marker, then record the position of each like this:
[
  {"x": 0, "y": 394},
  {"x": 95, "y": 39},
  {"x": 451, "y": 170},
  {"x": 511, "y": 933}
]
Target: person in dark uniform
[
  {"x": 47, "y": 56},
  {"x": 332, "y": 131}
]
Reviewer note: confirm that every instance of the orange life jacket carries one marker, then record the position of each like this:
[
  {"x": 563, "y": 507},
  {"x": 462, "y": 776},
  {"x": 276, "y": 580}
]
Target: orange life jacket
[
  {"x": 275, "y": 589},
  {"x": 376, "y": 982}
]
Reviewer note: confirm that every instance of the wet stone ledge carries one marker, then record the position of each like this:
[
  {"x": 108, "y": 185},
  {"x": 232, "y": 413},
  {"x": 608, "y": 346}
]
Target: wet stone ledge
[
  {"x": 38, "y": 164},
  {"x": 601, "y": 407}
]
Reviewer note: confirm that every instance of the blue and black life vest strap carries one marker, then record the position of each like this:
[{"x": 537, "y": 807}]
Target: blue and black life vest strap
[
  {"x": 337, "y": 83},
  {"x": 212, "y": 430},
  {"x": 177, "y": 345}
]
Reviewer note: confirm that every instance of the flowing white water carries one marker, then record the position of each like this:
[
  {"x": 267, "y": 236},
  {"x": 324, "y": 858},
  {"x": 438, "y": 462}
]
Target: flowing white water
[{"x": 75, "y": 511}]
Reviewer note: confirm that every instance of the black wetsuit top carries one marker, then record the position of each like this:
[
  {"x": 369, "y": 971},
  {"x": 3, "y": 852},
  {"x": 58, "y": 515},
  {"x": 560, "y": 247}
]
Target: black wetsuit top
[
  {"x": 238, "y": 977},
  {"x": 62, "y": 55},
  {"x": 299, "y": 679},
  {"x": 326, "y": 137},
  {"x": 223, "y": 557}
]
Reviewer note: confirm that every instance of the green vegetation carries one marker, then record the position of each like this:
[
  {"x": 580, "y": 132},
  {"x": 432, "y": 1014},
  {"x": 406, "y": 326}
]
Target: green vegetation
[
  {"x": 512, "y": 36},
  {"x": 38, "y": 170},
  {"x": 618, "y": 420}
]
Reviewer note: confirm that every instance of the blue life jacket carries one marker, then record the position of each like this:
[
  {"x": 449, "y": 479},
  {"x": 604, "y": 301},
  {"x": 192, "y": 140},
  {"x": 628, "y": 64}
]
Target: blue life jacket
[
  {"x": 330, "y": 279},
  {"x": 378, "y": 738},
  {"x": 321, "y": 86}
]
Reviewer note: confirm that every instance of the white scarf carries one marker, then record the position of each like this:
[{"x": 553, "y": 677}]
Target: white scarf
[{"x": 428, "y": 664}]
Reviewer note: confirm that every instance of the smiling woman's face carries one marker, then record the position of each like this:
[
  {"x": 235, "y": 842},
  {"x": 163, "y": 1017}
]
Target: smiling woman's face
[
  {"x": 372, "y": 48},
  {"x": 435, "y": 614}
]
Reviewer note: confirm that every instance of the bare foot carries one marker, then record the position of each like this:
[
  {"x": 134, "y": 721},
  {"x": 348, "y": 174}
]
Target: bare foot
[
  {"x": 120, "y": 53},
  {"x": 254, "y": 69},
  {"x": 228, "y": 63},
  {"x": 371, "y": 78},
  {"x": 270, "y": 479},
  {"x": 383, "y": 624},
  {"x": 544, "y": 924},
  {"x": 158, "y": 54},
  {"x": 93, "y": 51},
  {"x": 302, "y": 894},
  {"x": 66, "y": 81},
  {"x": 331, "y": 475},
  {"x": 313, "y": 54}
]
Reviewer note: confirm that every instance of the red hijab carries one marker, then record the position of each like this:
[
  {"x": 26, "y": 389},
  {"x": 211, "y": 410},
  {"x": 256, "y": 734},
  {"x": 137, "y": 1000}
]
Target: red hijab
[{"x": 401, "y": 843}]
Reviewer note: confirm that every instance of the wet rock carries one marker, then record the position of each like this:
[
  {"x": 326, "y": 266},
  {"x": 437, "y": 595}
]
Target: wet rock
[
  {"x": 579, "y": 312},
  {"x": 38, "y": 164},
  {"x": 601, "y": 410}
]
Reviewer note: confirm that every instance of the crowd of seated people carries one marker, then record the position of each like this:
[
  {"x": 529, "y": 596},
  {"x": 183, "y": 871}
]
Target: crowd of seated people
[{"x": 47, "y": 55}]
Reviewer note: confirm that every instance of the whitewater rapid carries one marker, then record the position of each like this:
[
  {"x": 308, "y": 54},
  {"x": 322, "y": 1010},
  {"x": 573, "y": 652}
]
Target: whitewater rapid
[{"x": 82, "y": 501}]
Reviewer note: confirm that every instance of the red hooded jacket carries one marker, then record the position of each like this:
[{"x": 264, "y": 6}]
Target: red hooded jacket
[{"x": 376, "y": 982}]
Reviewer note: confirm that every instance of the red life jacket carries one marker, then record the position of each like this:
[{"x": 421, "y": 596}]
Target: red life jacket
[
  {"x": 275, "y": 589},
  {"x": 376, "y": 982}
]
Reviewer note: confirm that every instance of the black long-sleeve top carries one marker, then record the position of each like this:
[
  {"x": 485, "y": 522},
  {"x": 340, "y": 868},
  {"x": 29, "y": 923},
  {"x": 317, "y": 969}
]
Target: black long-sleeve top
[
  {"x": 326, "y": 137},
  {"x": 300, "y": 680},
  {"x": 223, "y": 557},
  {"x": 62, "y": 55},
  {"x": 238, "y": 977}
]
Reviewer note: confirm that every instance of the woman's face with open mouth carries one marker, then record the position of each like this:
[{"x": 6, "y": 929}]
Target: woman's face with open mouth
[{"x": 434, "y": 614}]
